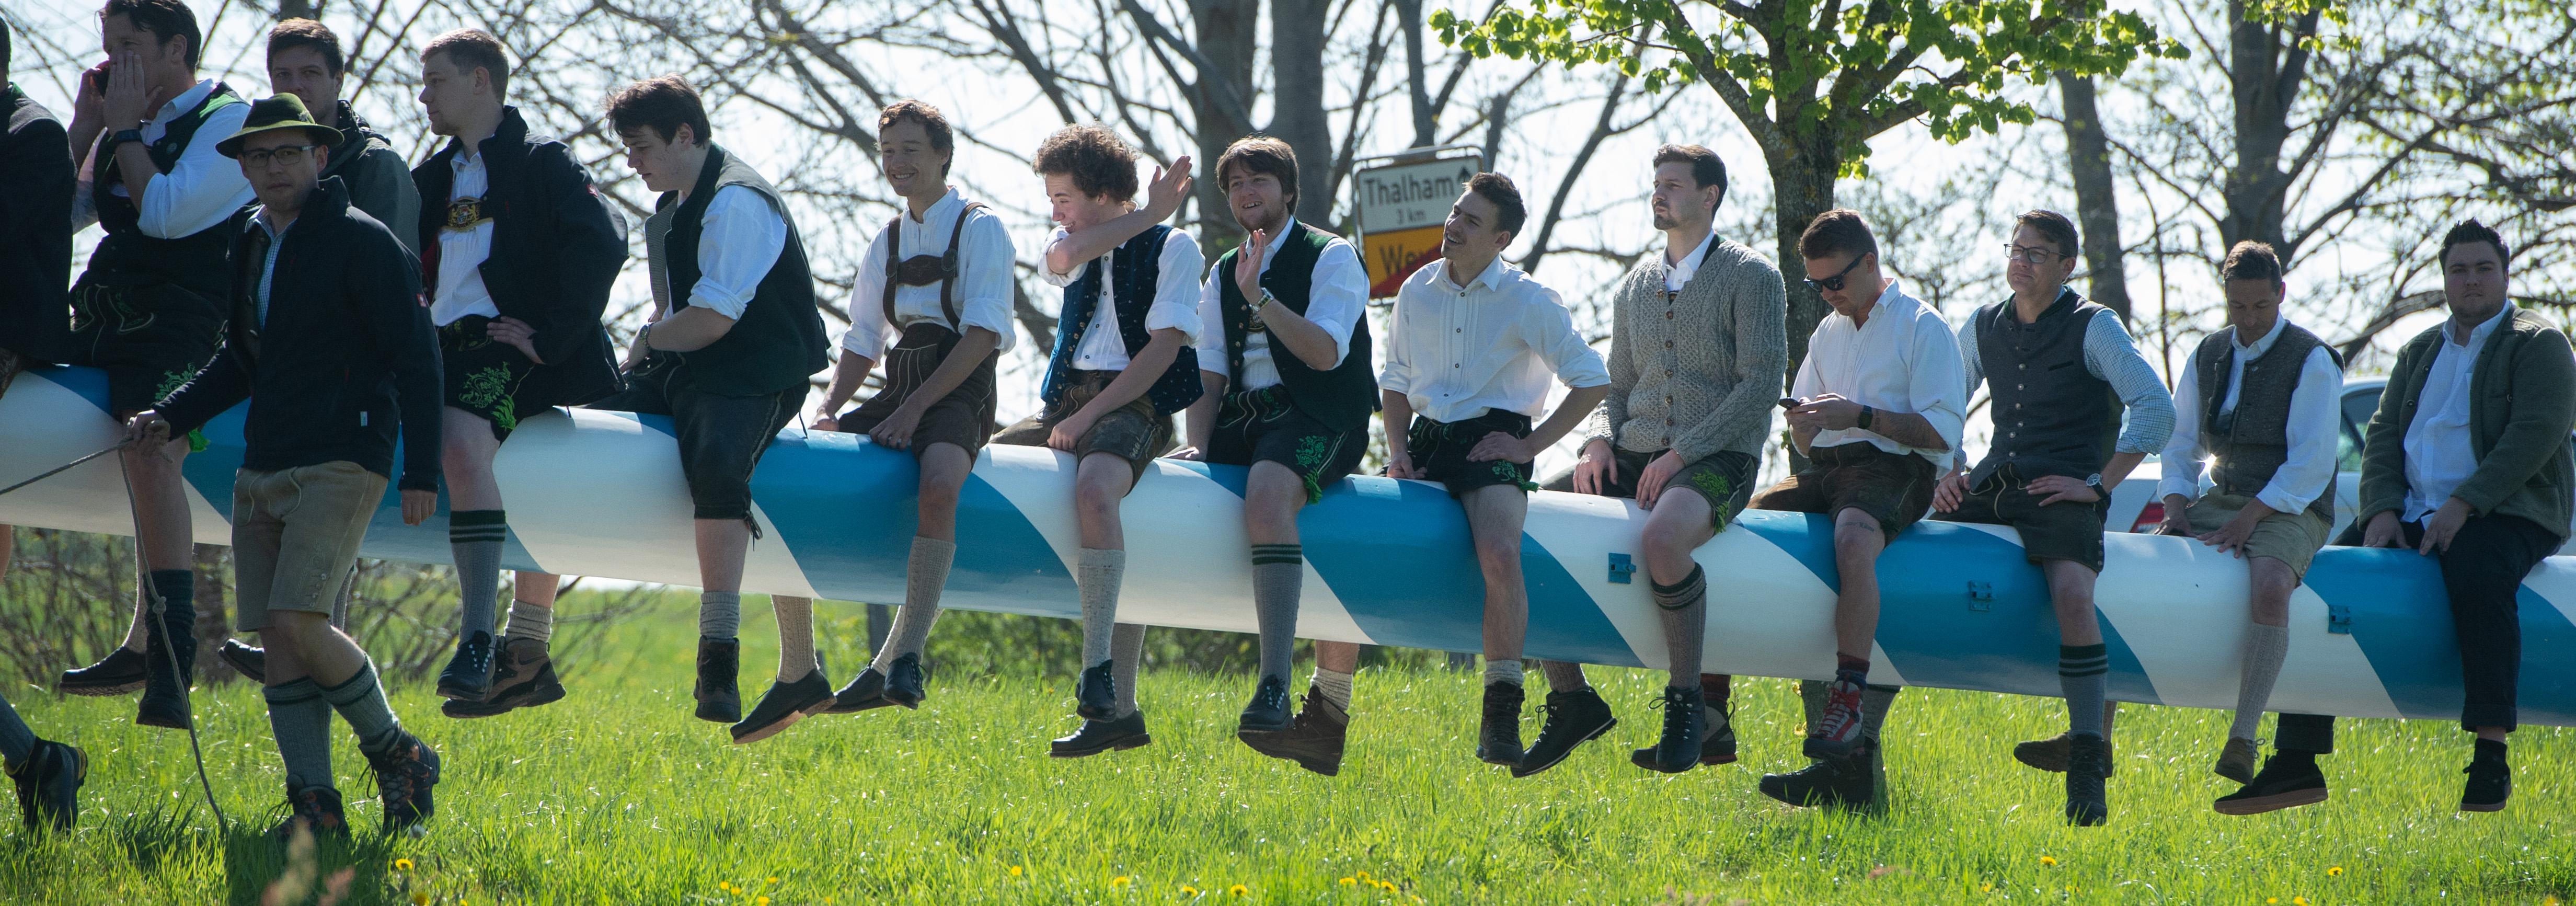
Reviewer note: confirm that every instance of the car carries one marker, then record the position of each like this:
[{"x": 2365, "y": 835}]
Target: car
[{"x": 2136, "y": 507}]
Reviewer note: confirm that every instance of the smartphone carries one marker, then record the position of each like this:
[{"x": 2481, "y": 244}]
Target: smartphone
[
  {"x": 98, "y": 75},
  {"x": 1789, "y": 402}
]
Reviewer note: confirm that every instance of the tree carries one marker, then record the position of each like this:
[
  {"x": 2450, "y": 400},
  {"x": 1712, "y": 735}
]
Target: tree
[{"x": 1814, "y": 82}]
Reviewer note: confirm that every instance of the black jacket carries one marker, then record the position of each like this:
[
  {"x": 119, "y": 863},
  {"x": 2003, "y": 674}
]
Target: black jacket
[
  {"x": 36, "y": 186},
  {"x": 347, "y": 349},
  {"x": 557, "y": 246},
  {"x": 378, "y": 182}
]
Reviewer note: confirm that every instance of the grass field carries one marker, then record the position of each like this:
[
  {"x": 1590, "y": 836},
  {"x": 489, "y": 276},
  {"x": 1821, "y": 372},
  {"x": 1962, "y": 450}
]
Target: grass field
[{"x": 616, "y": 795}]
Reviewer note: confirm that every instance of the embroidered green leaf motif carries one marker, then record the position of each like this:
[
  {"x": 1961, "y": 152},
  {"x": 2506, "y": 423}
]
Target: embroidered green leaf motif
[
  {"x": 1311, "y": 452},
  {"x": 489, "y": 390}
]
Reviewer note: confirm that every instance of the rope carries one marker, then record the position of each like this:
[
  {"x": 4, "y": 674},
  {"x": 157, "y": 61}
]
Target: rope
[{"x": 169, "y": 646}]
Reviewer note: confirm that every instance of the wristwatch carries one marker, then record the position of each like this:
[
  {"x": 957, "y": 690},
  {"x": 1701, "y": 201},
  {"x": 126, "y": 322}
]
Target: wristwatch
[
  {"x": 644, "y": 339},
  {"x": 122, "y": 136},
  {"x": 2094, "y": 481},
  {"x": 1864, "y": 417}
]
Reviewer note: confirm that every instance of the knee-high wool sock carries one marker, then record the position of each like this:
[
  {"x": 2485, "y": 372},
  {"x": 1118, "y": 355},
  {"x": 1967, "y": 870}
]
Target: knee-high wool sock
[
  {"x": 2265, "y": 648},
  {"x": 1278, "y": 579},
  {"x": 2081, "y": 670},
  {"x": 719, "y": 614},
  {"x": 301, "y": 720},
  {"x": 795, "y": 636},
  {"x": 924, "y": 577},
  {"x": 1097, "y": 578},
  {"x": 1684, "y": 609},
  {"x": 1126, "y": 652},
  {"x": 361, "y": 702},
  {"x": 475, "y": 537}
]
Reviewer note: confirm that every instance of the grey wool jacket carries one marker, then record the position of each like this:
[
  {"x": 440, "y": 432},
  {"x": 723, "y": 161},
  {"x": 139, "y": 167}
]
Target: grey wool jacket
[{"x": 1702, "y": 373}]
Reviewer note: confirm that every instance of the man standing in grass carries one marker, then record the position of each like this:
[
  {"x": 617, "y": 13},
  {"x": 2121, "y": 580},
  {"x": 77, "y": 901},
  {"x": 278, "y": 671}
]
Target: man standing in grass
[
  {"x": 1125, "y": 360},
  {"x": 2057, "y": 363},
  {"x": 1698, "y": 341},
  {"x": 1287, "y": 334},
  {"x": 1467, "y": 366},
  {"x": 48, "y": 774},
  {"x": 1878, "y": 415},
  {"x": 933, "y": 301},
  {"x": 2258, "y": 400},
  {"x": 327, "y": 340},
  {"x": 2466, "y": 461},
  {"x": 518, "y": 251},
  {"x": 733, "y": 337}
]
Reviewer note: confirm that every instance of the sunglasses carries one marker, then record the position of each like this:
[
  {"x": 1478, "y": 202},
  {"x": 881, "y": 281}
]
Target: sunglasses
[{"x": 1834, "y": 283}]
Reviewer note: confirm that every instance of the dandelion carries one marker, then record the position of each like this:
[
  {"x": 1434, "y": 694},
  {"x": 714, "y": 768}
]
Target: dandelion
[
  {"x": 2271, "y": 900},
  {"x": 2050, "y": 861},
  {"x": 1989, "y": 888},
  {"x": 763, "y": 901},
  {"x": 1347, "y": 882},
  {"x": 1361, "y": 875},
  {"x": 2334, "y": 871},
  {"x": 1388, "y": 886},
  {"x": 402, "y": 864},
  {"x": 1015, "y": 871},
  {"x": 419, "y": 898},
  {"x": 1189, "y": 891},
  {"x": 1121, "y": 881},
  {"x": 2298, "y": 901},
  {"x": 773, "y": 879},
  {"x": 1238, "y": 890},
  {"x": 726, "y": 886}
]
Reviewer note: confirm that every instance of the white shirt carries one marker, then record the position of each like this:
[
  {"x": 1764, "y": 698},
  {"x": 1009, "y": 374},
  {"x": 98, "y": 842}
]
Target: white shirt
[
  {"x": 461, "y": 252},
  {"x": 1678, "y": 274},
  {"x": 2109, "y": 354},
  {"x": 203, "y": 186},
  {"x": 1457, "y": 351},
  {"x": 1175, "y": 305},
  {"x": 268, "y": 266},
  {"x": 1336, "y": 300},
  {"x": 740, "y": 238},
  {"x": 983, "y": 288},
  {"x": 2314, "y": 425},
  {"x": 1905, "y": 359},
  {"x": 2439, "y": 457}
]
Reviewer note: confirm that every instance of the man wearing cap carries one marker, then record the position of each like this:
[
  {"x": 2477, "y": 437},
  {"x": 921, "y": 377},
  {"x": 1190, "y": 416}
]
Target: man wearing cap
[{"x": 326, "y": 338}]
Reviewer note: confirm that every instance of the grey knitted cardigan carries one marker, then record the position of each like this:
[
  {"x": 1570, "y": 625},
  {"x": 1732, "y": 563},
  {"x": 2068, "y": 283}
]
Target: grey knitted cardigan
[{"x": 1702, "y": 374}]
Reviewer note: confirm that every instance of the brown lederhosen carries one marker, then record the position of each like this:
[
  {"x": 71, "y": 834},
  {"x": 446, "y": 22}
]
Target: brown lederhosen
[{"x": 965, "y": 416}]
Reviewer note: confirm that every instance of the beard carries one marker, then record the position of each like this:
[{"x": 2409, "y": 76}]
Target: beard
[
  {"x": 1275, "y": 217},
  {"x": 1665, "y": 221}
]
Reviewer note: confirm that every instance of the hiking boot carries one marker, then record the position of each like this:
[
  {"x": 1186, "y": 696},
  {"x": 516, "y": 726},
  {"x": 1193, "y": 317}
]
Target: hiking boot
[
  {"x": 2236, "y": 762},
  {"x": 2050, "y": 754},
  {"x": 1717, "y": 744},
  {"x": 523, "y": 676},
  {"x": 1836, "y": 731},
  {"x": 469, "y": 674},
  {"x": 405, "y": 774},
  {"x": 782, "y": 706},
  {"x": 1313, "y": 741},
  {"x": 1498, "y": 736},
  {"x": 1097, "y": 736},
  {"x": 1844, "y": 782},
  {"x": 251, "y": 663},
  {"x": 719, "y": 665},
  {"x": 904, "y": 678},
  {"x": 1268, "y": 711},
  {"x": 2086, "y": 758},
  {"x": 169, "y": 667},
  {"x": 2288, "y": 780},
  {"x": 316, "y": 808},
  {"x": 1095, "y": 696},
  {"x": 49, "y": 783},
  {"x": 1679, "y": 749},
  {"x": 1574, "y": 717},
  {"x": 865, "y": 691},
  {"x": 120, "y": 672},
  {"x": 2490, "y": 779}
]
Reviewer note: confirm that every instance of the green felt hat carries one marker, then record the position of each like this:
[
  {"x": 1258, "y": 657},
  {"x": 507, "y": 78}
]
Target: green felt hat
[{"x": 284, "y": 111}]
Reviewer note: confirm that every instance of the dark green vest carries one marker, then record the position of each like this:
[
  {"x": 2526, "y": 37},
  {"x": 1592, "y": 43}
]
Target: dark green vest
[
  {"x": 194, "y": 261},
  {"x": 1342, "y": 398},
  {"x": 778, "y": 342},
  {"x": 2253, "y": 440}
]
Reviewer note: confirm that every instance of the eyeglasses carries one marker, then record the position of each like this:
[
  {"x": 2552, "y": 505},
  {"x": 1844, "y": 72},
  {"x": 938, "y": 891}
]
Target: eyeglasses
[
  {"x": 289, "y": 155},
  {"x": 1834, "y": 284},
  {"x": 2032, "y": 254}
]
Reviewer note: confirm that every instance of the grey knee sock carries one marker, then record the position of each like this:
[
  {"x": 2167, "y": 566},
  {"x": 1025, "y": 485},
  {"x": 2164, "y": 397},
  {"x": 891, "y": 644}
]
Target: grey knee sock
[
  {"x": 17, "y": 740},
  {"x": 1097, "y": 579},
  {"x": 1335, "y": 686},
  {"x": 1503, "y": 671},
  {"x": 1563, "y": 676},
  {"x": 475, "y": 537},
  {"x": 1684, "y": 609},
  {"x": 719, "y": 614},
  {"x": 924, "y": 577},
  {"x": 529, "y": 621},
  {"x": 1126, "y": 653},
  {"x": 2081, "y": 671},
  {"x": 361, "y": 702},
  {"x": 301, "y": 720},
  {"x": 2265, "y": 648},
  {"x": 795, "y": 636},
  {"x": 1278, "y": 579}
]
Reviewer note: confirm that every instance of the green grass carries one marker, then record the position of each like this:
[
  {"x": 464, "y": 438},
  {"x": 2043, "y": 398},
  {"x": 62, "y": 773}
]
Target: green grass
[{"x": 616, "y": 795}]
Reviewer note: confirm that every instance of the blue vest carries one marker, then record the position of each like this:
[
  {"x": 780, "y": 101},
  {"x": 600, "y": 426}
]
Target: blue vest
[{"x": 1134, "y": 271}]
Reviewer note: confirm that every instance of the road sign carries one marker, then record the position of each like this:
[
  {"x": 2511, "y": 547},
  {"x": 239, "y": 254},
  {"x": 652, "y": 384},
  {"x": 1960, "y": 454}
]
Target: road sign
[{"x": 1401, "y": 208}]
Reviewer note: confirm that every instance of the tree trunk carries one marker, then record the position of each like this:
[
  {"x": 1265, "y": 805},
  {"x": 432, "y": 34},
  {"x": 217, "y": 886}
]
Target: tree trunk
[
  {"x": 1224, "y": 32},
  {"x": 2097, "y": 206},
  {"x": 1297, "y": 101},
  {"x": 297, "y": 9},
  {"x": 1425, "y": 122},
  {"x": 1803, "y": 186},
  {"x": 2265, "y": 69}
]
